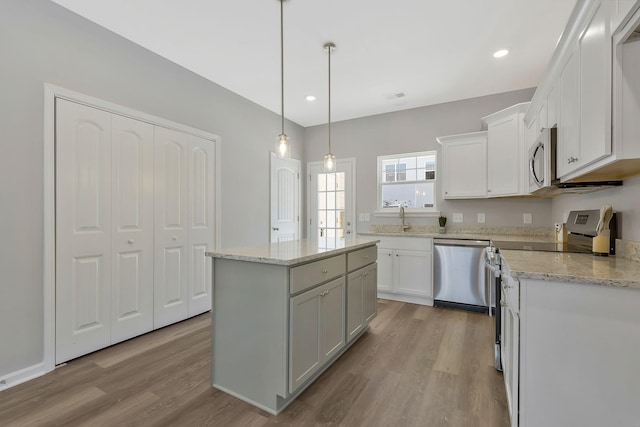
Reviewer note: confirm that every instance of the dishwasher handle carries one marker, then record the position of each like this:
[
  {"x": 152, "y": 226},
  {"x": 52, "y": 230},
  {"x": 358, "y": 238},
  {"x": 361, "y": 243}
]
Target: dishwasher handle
[{"x": 462, "y": 242}]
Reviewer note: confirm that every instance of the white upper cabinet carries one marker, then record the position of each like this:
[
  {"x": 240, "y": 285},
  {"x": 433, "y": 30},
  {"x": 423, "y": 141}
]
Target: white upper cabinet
[
  {"x": 506, "y": 152},
  {"x": 568, "y": 117},
  {"x": 464, "y": 165}
]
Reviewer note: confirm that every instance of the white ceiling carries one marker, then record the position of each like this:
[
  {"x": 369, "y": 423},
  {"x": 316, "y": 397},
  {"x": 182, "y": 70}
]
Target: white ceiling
[{"x": 434, "y": 51}]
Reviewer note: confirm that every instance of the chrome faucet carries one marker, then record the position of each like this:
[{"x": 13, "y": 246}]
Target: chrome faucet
[{"x": 405, "y": 227}]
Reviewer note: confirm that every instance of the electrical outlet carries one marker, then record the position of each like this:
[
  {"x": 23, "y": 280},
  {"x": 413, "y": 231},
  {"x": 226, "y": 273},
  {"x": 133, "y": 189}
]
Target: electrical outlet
[
  {"x": 361, "y": 217},
  {"x": 526, "y": 218},
  {"x": 366, "y": 217},
  {"x": 458, "y": 217},
  {"x": 481, "y": 218}
]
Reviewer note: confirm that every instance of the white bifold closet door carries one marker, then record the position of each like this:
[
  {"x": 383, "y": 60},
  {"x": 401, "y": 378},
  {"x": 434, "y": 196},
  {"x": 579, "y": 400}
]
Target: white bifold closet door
[
  {"x": 104, "y": 229},
  {"x": 134, "y": 217},
  {"x": 184, "y": 190}
]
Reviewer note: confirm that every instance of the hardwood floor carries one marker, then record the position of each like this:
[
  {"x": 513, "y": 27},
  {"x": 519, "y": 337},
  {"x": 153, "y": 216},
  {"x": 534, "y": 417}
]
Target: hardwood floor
[{"x": 415, "y": 366}]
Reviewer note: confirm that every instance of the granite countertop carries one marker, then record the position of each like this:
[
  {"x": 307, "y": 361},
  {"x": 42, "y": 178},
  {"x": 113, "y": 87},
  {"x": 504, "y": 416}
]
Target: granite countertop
[
  {"x": 290, "y": 253},
  {"x": 571, "y": 267},
  {"x": 465, "y": 236}
]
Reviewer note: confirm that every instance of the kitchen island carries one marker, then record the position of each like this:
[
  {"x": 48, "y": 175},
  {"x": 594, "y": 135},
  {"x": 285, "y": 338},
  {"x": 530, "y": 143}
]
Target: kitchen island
[{"x": 284, "y": 312}]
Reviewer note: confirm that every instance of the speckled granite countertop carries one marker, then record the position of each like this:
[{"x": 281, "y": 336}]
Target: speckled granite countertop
[
  {"x": 576, "y": 268},
  {"x": 466, "y": 236},
  {"x": 289, "y": 253}
]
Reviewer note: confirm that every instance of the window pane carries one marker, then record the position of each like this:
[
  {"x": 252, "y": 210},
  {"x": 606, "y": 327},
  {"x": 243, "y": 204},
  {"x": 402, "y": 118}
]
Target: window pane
[
  {"x": 322, "y": 218},
  {"x": 340, "y": 199},
  {"x": 427, "y": 162},
  {"x": 331, "y": 181},
  {"x": 409, "y": 162},
  {"x": 322, "y": 182},
  {"x": 331, "y": 200},
  {"x": 331, "y": 219},
  {"x": 389, "y": 174},
  {"x": 322, "y": 200},
  {"x": 411, "y": 175},
  {"x": 339, "y": 219},
  {"x": 401, "y": 172},
  {"x": 410, "y": 195},
  {"x": 340, "y": 180}
]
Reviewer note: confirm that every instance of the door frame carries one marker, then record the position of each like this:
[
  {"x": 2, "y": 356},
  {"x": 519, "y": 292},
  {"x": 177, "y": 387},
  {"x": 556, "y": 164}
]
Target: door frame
[
  {"x": 272, "y": 158},
  {"x": 350, "y": 163},
  {"x": 51, "y": 92}
]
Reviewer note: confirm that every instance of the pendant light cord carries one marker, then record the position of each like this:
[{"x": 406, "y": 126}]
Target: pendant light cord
[
  {"x": 329, "y": 49},
  {"x": 282, "y": 62}
]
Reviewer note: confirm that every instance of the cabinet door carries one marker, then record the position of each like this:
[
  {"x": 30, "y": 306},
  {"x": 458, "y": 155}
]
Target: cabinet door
[
  {"x": 369, "y": 293},
  {"x": 569, "y": 117},
  {"x": 201, "y": 219},
  {"x": 414, "y": 273},
  {"x": 171, "y": 258},
  {"x": 355, "y": 309},
  {"x": 464, "y": 168},
  {"x": 503, "y": 157},
  {"x": 305, "y": 355},
  {"x": 132, "y": 230},
  {"x": 333, "y": 307},
  {"x": 385, "y": 270},
  {"x": 552, "y": 107},
  {"x": 595, "y": 88}
]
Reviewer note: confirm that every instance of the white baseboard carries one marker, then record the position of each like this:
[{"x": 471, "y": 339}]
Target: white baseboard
[
  {"x": 412, "y": 299},
  {"x": 18, "y": 377}
]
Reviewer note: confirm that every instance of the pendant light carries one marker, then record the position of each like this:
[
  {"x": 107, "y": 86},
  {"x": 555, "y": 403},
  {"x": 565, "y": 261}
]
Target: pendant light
[
  {"x": 283, "y": 148},
  {"x": 329, "y": 159}
]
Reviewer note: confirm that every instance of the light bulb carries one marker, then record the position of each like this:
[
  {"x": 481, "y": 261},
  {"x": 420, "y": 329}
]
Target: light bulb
[
  {"x": 282, "y": 146},
  {"x": 329, "y": 162}
]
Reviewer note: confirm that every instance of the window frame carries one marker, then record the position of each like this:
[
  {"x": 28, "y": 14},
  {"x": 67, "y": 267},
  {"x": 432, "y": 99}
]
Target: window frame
[{"x": 430, "y": 211}]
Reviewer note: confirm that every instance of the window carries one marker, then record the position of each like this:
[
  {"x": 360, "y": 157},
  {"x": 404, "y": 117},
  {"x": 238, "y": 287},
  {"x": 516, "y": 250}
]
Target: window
[{"x": 407, "y": 180}]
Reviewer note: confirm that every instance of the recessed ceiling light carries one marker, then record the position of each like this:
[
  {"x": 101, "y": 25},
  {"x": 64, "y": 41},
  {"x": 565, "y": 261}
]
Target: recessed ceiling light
[
  {"x": 501, "y": 53},
  {"x": 310, "y": 98}
]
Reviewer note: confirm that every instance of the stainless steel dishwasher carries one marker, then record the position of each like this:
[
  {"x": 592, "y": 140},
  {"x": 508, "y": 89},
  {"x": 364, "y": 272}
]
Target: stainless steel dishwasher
[{"x": 458, "y": 274}]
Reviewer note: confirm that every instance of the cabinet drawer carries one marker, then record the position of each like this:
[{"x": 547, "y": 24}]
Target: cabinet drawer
[
  {"x": 362, "y": 257},
  {"x": 314, "y": 273}
]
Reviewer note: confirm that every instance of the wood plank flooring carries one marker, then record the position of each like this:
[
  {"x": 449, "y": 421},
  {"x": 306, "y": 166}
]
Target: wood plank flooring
[{"x": 415, "y": 366}]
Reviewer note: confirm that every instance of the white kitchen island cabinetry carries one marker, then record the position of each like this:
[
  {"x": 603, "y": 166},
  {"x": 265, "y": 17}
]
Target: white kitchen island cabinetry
[
  {"x": 405, "y": 269},
  {"x": 464, "y": 165},
  {"x": 280, "y": 315}
]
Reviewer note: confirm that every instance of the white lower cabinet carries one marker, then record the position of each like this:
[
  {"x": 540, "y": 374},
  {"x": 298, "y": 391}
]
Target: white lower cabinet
[
  {"x": 361, "y": 299},
  {"x": 317, "y": 329},
  {"x": 570, "y": 353},
  {"x": 405, "y": 269}
]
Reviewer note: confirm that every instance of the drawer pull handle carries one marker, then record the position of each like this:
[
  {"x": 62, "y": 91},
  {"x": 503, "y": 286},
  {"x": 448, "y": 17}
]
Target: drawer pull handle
[
  {"x": 366, "y": 257},
  {"x": 131, "y": 241},
  {"x": 324, "y": 271},
  {"x": 366, "y": 274}
]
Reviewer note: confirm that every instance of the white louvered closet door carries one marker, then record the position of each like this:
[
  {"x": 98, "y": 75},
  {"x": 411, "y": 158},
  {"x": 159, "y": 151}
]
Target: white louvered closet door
[
  {"x": 171, "y": 215},
  {"x": 132, "y": 231},
  {"x": 201, "y": 219},
  {"x": 83, "y": 229}
]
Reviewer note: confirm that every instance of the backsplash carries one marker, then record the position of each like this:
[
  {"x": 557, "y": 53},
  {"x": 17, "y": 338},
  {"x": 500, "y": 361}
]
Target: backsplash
[
  {"x": 628, "y": 249},
  {"x": 466, "y": 229}
]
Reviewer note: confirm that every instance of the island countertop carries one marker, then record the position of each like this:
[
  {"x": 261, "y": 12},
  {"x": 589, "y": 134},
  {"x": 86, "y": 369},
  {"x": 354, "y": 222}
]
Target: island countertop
[{"x": 290, "y": 253}]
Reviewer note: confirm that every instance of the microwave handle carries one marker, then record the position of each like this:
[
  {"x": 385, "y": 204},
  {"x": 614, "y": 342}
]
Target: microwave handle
[{"x": 532, "y": 168}]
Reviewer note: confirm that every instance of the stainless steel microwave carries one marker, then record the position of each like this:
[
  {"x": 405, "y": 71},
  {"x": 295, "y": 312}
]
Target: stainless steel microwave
[{"x": 542, "y": 168}]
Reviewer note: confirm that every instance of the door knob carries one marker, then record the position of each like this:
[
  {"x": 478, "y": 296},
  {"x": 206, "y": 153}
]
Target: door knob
[{"x": 348, "y": 231}]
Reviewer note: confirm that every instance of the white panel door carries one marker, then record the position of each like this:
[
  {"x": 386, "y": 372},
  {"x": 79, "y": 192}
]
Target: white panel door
[
  {"x": 201, "y": 218},
  {"x": 132, "y": 231},
  {"x": 285, "y": 199},
  {"x": 171, "y": 223},
  {"x": 83, "y": 229}
]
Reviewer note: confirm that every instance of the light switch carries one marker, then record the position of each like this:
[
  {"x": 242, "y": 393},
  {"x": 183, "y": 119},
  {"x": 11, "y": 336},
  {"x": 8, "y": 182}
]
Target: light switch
[
  {"x": 366, "y": 217},
  {"x": 361, "y": 217},
  {"x": 458, "y": 217},
  {"x": 480, "y": 218},
  {"x": 526, "y": 218}
]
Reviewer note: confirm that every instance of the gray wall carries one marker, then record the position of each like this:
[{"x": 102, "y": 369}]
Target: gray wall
[
  {"x": 42, "y": 42},
  {"x": 624, "y": 200},
  {"x": 416, "y": 130}
]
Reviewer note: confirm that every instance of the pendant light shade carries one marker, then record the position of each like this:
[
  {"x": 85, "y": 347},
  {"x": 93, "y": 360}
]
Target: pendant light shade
[
  {"x": 283, "y": 148},
  {"x": 329, "y": 159}
]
